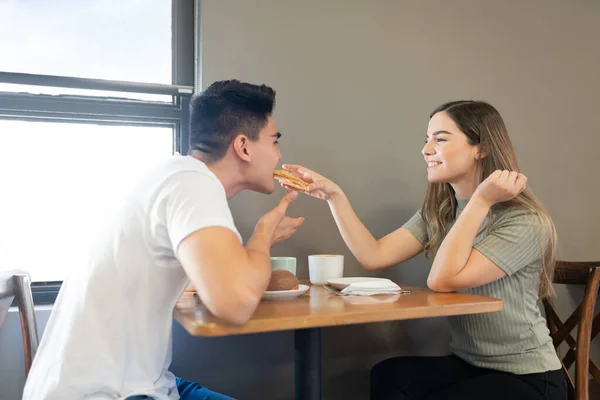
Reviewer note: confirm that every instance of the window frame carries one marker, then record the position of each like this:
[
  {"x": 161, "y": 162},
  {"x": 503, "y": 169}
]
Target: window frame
[{"x": 106, "y": 110}]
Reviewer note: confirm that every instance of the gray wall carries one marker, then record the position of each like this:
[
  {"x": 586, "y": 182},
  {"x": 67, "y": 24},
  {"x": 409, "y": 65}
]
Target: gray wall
[{"x": 356, "y": 81}]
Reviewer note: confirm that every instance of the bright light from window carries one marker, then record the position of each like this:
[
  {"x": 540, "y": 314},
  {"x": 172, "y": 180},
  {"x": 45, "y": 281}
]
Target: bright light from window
[
  {"x": 62, "y": 183},
  {"x": 124, "y": 40}
]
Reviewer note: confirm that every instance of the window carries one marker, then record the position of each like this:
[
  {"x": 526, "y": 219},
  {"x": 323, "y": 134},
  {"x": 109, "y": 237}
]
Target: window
[
  {"x": 93, "y": 94},
  {"x": 122, "y": 40},
  {"x": 61, "y": 184}
]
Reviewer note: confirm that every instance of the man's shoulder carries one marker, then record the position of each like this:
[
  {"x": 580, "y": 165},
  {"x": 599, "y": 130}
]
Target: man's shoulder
[
  {"x": 178, "y": 163},
  {"x": 179, "y": 170}
]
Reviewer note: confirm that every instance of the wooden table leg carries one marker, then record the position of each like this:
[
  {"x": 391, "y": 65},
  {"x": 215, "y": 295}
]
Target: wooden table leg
[{"x": 307, "y": 368}]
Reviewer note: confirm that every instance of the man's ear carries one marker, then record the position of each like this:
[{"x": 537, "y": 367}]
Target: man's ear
[{"x": 241, "y": 148}]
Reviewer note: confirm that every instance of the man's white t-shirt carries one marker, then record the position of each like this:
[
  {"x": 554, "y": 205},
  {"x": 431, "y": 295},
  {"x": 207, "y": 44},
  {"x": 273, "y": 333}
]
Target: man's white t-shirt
[{"x": 109, "y": 334}]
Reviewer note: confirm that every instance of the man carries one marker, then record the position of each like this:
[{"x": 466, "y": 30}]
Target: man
[{"x": 109, "y": 334}]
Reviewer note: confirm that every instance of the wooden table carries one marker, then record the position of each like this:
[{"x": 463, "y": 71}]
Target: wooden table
[{"x": 319, "y": 308}]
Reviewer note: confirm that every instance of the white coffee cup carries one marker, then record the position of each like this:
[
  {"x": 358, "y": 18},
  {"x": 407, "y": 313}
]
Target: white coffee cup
[{"x": 322, "y": 267}]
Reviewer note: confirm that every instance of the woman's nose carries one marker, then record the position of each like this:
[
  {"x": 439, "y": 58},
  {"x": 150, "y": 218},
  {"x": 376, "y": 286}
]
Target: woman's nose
[{"x": 428, "y": 149}]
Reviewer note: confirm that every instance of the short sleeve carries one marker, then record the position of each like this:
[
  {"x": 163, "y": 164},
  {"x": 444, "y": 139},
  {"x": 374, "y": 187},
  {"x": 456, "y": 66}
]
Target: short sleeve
[
  {"x": 514, "y": 242},
  {"x": 195, "y": 201},
  {"x": 416, "y": 226}
]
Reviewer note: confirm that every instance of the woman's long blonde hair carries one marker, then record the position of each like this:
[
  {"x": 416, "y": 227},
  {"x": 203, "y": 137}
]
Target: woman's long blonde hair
[{"x": 483, "y": 126}]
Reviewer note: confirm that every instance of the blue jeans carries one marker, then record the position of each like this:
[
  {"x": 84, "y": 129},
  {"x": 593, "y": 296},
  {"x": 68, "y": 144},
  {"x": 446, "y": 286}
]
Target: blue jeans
[{"x": 191, "y": 391}]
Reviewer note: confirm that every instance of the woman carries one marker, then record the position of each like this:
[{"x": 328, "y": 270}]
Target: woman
[{"x": 486, "y": 234}]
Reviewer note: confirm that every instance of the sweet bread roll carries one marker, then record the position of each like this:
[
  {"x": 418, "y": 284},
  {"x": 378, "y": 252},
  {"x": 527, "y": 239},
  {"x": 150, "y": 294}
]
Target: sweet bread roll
[{"x": 282, "y": 280}]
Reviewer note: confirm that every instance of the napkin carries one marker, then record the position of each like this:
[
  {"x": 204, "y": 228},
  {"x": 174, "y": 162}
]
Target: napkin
[{"x": 369, "y": 288}]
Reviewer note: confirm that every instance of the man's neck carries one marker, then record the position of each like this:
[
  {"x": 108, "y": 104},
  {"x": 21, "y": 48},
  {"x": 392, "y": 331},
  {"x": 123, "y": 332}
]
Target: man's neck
[{"x": 227, "y": 171}]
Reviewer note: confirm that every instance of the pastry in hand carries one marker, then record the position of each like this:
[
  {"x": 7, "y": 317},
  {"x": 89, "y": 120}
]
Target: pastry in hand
[{"x": 289, "y": 179}]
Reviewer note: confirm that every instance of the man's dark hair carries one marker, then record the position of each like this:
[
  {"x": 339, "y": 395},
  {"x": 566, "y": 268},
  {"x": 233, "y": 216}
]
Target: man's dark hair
[{"x": 224, "y": 110}]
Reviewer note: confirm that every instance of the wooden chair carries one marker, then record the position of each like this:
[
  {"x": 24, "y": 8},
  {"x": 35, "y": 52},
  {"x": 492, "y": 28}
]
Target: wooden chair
[
  {"x": 585, "y": 273},
  {"x": 18, "y": 284}
]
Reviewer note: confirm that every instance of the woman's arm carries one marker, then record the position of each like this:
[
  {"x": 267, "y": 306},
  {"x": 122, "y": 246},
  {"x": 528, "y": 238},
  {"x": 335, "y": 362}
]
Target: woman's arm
[
  {"x": 371, "y": 253},
  {"x": 457, "y": 265}
]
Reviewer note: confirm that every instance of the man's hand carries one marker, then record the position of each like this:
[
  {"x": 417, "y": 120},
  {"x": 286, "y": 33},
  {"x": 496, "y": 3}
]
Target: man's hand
[{"x": 276, "y": 225}]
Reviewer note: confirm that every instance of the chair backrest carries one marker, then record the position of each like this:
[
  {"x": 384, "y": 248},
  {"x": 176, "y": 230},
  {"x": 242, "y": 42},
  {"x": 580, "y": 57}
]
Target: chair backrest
[
  {"x": 18, "y": 284},
  {"x": 585, "y": 273}
]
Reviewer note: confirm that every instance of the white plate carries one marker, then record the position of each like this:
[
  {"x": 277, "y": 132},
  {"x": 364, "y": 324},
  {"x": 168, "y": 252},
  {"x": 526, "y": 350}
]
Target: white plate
[
  {"x": 284, "y": 294},
  {"x": 343, "y": 283}
]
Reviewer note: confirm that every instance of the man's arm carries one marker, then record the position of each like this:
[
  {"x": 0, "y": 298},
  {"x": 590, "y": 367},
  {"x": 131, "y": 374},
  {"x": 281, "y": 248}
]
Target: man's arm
[{"x": 230, "y": 278}]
